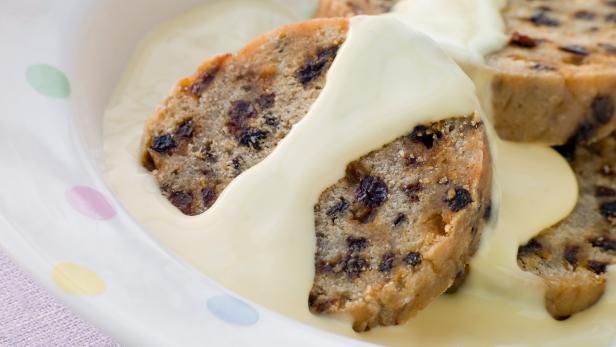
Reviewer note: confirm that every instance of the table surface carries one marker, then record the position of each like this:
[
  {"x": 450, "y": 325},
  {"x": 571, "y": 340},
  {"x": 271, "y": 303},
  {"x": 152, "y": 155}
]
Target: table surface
[{"x": 31, "y": 317}]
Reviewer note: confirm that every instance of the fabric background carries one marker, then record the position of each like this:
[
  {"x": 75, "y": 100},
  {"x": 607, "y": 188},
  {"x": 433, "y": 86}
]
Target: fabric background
[{"x": 31, "y": 317}]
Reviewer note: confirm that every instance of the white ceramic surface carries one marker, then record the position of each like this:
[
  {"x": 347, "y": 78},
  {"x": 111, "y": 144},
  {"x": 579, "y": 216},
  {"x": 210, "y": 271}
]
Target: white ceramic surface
[{"x": 60, "y": 62}]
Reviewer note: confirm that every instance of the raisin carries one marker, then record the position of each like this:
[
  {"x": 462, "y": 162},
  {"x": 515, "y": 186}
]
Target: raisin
[
  {"x": 356, "y": 244},
  {"x": 208, "y": 195},
  {"x": 354, "y": 266},
  {"x": 266, "y": 101},
  {"x": 532, "y": 247},
  {"x": 183, "y": 201},
  {"x": 542, "y": 67},
  {"x": 338, "y": 209},
  {"x": 185, "y": 130},
  {"x": 611, "y": 3},
  {"x": 204, "y": 81},
  {"x": 313, "y": 68},
  {"x": 387, "y": 262},
  {"x": 584, "y": 15},
  {"x": 521, "y": 40},
  {"x": 239, "y": 113},
  {"x": 604, "y": 243},
  {"x": 372, "y": 191},
  {"x": 401, "y": 218},
  {"x": 602, "y": 109},
  {"x": 324, "y": 267},
  {"x": 272, "y": 121},
  {"x": 460, "y": 200},
  {"x": 542, "y": 19},
  {"x": 237, "y": 164},
  {"x": 604, "y": 192},
  {"x": 611, "y": 18},
  {"x": 608, "y": 47},
  {"x": 597, "y": 267},
  {"x": 163, "y": 143},
  {"x": 574, "y": 49},
  {"x": 424, "y": 135},
  {"x": 252, "y": 138},
  {"x": 413, "y": 259},
  {"x": 608, "y": 209},
  {"x": 571, "y": 255}
]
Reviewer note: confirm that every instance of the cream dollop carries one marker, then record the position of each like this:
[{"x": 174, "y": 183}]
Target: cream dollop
[{"x": 467, "y": 29}]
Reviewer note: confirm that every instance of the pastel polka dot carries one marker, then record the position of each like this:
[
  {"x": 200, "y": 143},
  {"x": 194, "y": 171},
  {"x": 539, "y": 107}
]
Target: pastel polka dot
[
  {"x": 90, "y": 202},
  {"x": 48, "y": 81},
  {"x": 232, "y": 310},
  {"x": 77, "y": 280}
]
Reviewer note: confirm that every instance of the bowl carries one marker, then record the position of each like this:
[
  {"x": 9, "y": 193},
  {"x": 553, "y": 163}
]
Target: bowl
[{"x": 58, "y": 218}]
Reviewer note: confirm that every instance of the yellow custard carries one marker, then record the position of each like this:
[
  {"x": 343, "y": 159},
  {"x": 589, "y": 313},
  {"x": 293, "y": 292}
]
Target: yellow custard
[{"x": 257, "y": 257}]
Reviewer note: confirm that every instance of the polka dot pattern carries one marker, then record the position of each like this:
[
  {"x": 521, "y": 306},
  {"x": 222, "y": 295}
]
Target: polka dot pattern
[
  {"x": 77, "y": 280},
  {"x": 48, "y": 81},
  {"x": 90, "y": 202},
  {"x": 232, "y": 310}
]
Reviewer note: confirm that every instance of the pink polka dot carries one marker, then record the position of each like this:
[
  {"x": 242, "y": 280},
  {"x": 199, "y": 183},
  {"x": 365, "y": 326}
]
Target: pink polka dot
[{"x": 90, "y": 202}]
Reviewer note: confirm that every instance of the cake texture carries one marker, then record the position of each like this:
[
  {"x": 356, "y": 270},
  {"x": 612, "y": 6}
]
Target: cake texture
[
  {"x": 572, "y": 256},
  {"x": 392, "y": 235},
  {"x": 399, "y": 229},
  {"x": 555, "y": 81},
  {"x": 231, "y": 113}
]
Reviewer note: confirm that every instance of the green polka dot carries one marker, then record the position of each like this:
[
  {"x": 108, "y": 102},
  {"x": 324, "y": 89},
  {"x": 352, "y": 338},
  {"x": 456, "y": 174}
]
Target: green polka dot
[{"x": 48, "y": 81}]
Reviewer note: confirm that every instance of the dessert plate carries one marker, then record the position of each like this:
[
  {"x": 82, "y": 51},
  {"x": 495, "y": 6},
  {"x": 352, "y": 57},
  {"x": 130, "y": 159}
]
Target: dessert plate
[{"x": 59, "y": 220}]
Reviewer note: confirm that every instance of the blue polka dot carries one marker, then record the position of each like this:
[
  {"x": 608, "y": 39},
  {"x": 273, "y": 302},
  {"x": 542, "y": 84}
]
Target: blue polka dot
[{"x": 232, "y": 310}]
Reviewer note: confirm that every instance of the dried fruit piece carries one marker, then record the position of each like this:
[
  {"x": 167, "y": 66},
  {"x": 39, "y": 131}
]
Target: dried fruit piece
[
  {"x": 597, "y": 267},
  {"x": 413, "y": 259},
  {"x": 459, "y": 199},
  {"x": 185, "y": 130},
  {"x": 208, "y": 195},
  {"x": 356, "y": 244},
  {"x": 387, "y": 262},
  {"x": 575, "y": 49},
  {"x": 338, "y": 209},
  {"x": 542, "y": 19},
  {"x": 521, "y": 40},
  {"x": 571, "y": 255},
  {"x": 252, "y": 138},
  {"x": 314, "y": 67},
  {"x": 239, "y": 113},
  {"x": 163, "y": 143},
  {"x": 354, "y": 266},
  {"x": 183, "y": 201},
  {"x": 372, "y": 191}
]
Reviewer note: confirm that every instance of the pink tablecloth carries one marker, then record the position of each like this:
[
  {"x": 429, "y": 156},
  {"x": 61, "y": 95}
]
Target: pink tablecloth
[{"x": 30, "y": 317}]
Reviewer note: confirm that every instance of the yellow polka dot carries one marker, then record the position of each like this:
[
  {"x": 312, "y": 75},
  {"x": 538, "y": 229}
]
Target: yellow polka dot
[{"x": 76, "y": 279}]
